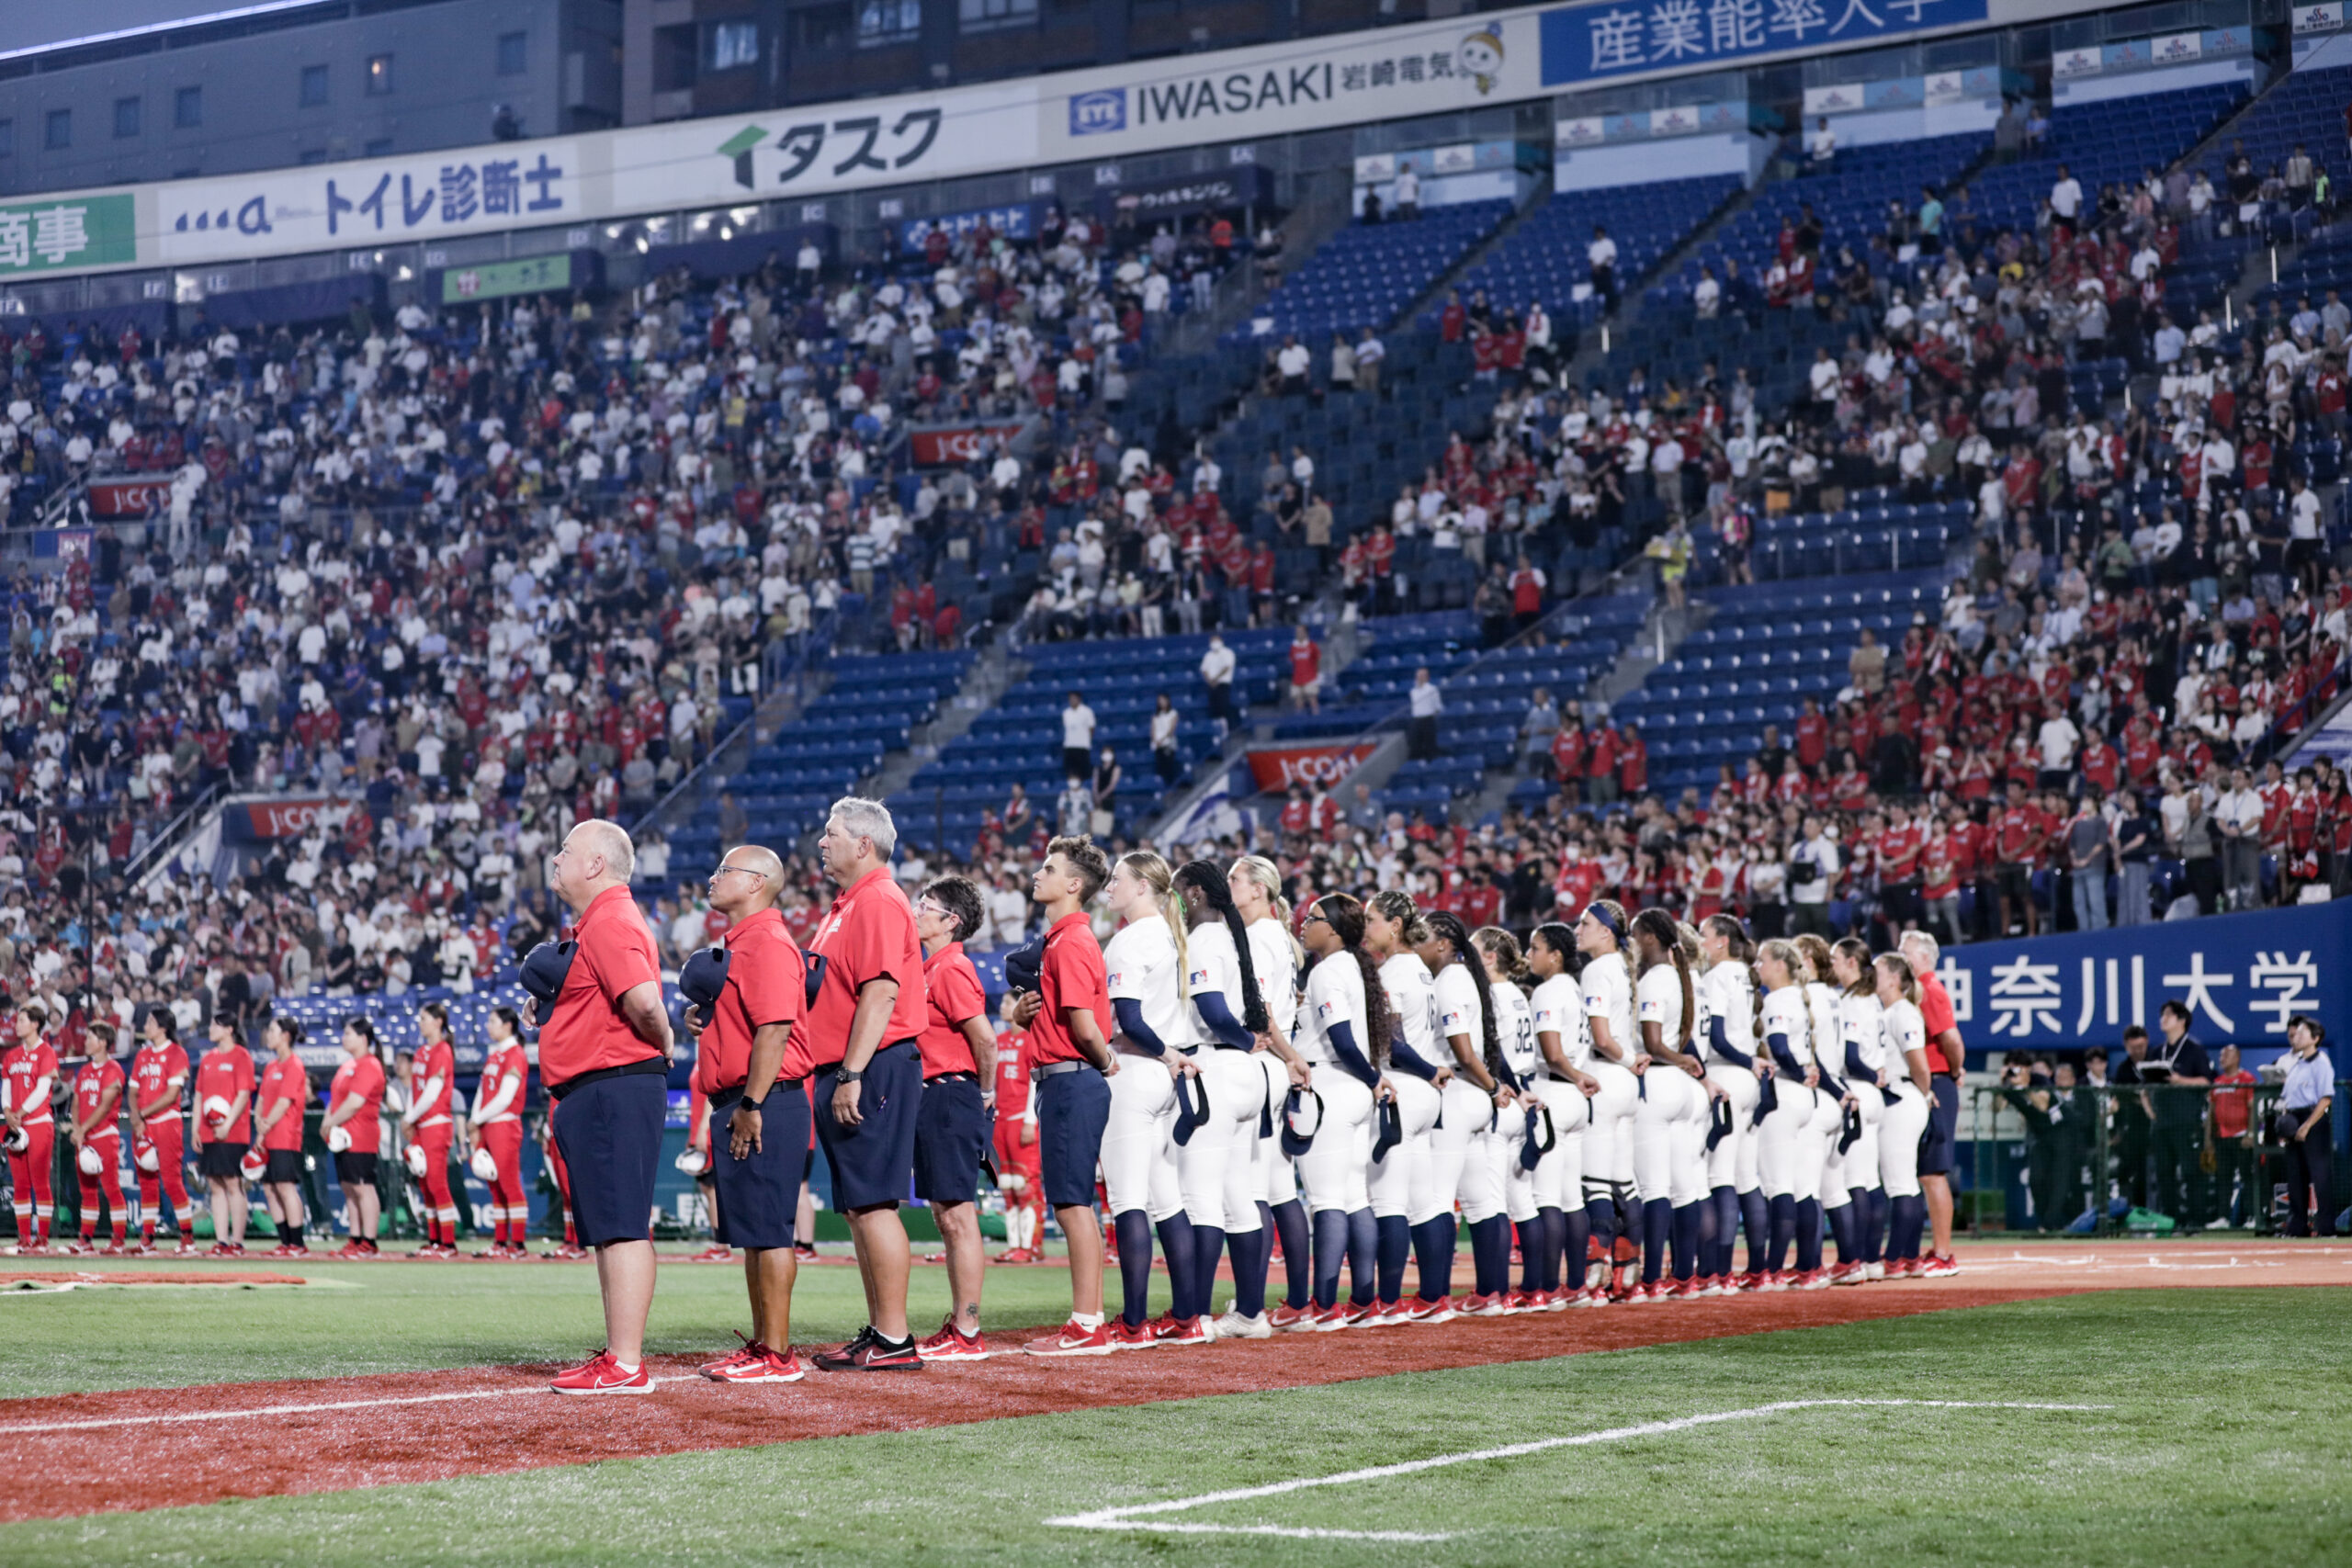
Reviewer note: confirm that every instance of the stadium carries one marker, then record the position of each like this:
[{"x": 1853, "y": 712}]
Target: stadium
[{"x": 1601, "y": 746}]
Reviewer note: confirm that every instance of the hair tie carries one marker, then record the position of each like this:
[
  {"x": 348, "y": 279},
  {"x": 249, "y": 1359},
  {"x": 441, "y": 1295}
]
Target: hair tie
[{"x": 1176, "y": 901}]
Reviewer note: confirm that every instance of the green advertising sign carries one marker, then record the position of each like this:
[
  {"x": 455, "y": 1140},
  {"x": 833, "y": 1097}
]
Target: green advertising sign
[
  {"x": 495, "y": 280},
  {"x": 75, "y": 234}
]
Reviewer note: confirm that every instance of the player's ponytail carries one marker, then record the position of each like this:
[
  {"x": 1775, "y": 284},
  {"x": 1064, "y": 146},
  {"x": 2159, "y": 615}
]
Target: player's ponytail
[
  {"x": 1345, "y": 915},
  {"x": 1660, "y": 928},
  {"x": 1208, "y": 884},
  {"x": 1265, "y": 876},
  {"x": 1155, "y": 872},
  {"x": 1858, "y": 951},
  {"x": 1503, "y": 948},
  {"x": 1445, "y": 926}
]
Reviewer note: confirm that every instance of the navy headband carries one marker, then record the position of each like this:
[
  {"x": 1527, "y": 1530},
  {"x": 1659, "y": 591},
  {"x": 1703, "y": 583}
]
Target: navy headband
[{"x": 1609, "y": 922}]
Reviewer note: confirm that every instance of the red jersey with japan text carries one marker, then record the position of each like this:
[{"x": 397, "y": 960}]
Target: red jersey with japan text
[
  {"x": 90, "y": 1085},
  {"x": 1012, "y": 1065},
  {"x": 27, "y": 1069},
  {"x": 154, "y": 1071},
  {"x": 436, "y": 1078}
]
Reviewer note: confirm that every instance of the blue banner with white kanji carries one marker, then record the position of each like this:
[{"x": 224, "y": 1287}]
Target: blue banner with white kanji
[
  {"x": 2243, "y": 979},
  {"x": 1592, "y": 43}
]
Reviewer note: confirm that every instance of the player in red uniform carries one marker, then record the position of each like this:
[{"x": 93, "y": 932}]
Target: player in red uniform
[
  {"x": 28, "y": 1072},
  {"x": 354, "y": 1131},
  {"x": 224, "y": 1101},
  {"x": 497, "y": 1123},
  {"x": 428, "y": 1126},
  {"x": 1017, "y": 1174},
  {"x": 158, "y": 1077},
  {"x": 284, "y": 1094},
  {"x": 98, "y": 1139}
]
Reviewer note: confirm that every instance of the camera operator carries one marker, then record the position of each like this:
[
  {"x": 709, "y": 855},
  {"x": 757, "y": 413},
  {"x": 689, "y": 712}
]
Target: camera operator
[{"x": 2059, "y": 1124}]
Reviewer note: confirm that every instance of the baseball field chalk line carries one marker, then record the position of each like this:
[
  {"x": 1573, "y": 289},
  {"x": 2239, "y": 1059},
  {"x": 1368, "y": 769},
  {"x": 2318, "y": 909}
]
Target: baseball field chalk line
[
  {"x": 188, "y": 1416},
  {"x": 1133, "y": 1516}
]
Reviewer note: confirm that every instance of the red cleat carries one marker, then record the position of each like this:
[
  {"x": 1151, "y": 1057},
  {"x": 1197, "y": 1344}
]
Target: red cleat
[
  {"x": 1441, "y": 1310},
  {"x": 1126, "y": 1336},
  {"x": 1073, "y": 1340},
  {"x": 715, "y": 1255},
  {"x": 601, "y": 1374},
  {"x": 1938, "y": 1265},
  {"x": 1286, "y": 1318},
  {"x": 952, "y": 1344},
  {"x": 1178, "y": 1331}
]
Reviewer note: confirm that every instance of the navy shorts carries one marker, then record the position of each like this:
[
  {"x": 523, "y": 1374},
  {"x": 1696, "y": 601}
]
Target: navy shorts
[
  {"x": 221, "y": 1161},
  {"x": 1072, "y": 1110},
  {"x": 759, "y": 1195},
  {"x": 872, "y": 1163},
  {"x": 355, "y": 1170},
  {"x": 951, "y": 1131},
  {"x": 609, "y": 1134},
  {"x": 1940, "y": 1146}
]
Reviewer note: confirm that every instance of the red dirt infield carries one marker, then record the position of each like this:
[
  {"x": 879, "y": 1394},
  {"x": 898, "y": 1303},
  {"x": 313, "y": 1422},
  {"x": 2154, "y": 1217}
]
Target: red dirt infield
[
  {"x": 19, "y": 1279},
  {"x": 66, "y": 1455}
]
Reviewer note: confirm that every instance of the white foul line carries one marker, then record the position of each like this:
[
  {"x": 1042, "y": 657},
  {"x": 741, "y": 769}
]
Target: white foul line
[
  {"x": 1131, "y": 1518},
  {"x": 179, "y": 1416}
]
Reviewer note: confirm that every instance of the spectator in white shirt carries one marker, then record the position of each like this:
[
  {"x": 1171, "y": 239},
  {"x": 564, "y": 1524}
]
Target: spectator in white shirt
[
  {"x": 1427, "y": 702},
  {"x": 1077, "y": 737},
  {"x": 2067, "y": 196},
  {"x": 2238, "y": 815}
]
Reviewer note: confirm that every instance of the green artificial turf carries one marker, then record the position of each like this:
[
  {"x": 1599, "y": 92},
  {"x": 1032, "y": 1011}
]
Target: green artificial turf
[
  {"x": 2228, "y": 1441},
  {"x": 398, "y": 1316}
]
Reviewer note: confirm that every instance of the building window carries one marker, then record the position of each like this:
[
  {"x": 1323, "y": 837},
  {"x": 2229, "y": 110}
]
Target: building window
[
  {"x": 733, "y": 44},
  {"x": 380, "y": 76},
  {"x": 889, "y": 21},
  {"x": 187, "y": 108},
  {"x": 126, "y": 118},
  {"x": 979, "y": 16},
  {"x": 820, "y": 30},
  {"x": 513, "y": 53},
  {"x": 312, "y": 155},
  {"x": 674, "y": 58},
  {"x": 59, "y": 132},
  {"x": 382, "y": 147},
  {"x": 314, "y": 87}
]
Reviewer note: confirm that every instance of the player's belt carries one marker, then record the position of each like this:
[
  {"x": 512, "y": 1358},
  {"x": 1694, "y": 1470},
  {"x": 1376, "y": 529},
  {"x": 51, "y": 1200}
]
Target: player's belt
[{"x": 1055, "y": 1069}]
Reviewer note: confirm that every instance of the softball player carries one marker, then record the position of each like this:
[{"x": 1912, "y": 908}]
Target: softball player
[
  {"x": 97, "y": 1135},
  {"x": 1409, "y": 1211},
  {"x": 1566, "y": 1089},
  {"x": 1905, "y": 1036},
  {"x": 1785, "y": 1134},
  {"x": 1275, "y": 956},
  {"x": 1670, "y": 1110},
  {"x": 1474, "y": 1100},
  {"x": 497, "y": 1123},
  {"x": 1344, "y": 1036},
  {"x": 1215, "y": 1165},
  {"x": 1727, "y": 989},
  {"x": 159, "y": 1074},
  {"x": 1144, "y": 972},
  {"x": 1859, "y": 1015},
  {"x": 1816, "y": 1173},
  {"x": 1608, "y": 986},
  {"x": 1527, "y": 1125}
]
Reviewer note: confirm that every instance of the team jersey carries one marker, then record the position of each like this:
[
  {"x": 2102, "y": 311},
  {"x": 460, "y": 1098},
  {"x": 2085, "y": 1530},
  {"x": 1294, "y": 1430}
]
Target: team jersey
[
  {"x": 1406, "y": 981},
  {"x": 1275, "y": 962},
  {"x": 284, "y": 1080},
  {"x": 28, "y": 1073},
  {"x": 1861, "y": 1028},
  {"x": 1904, "y": 1031},
  {"x": 1729, "y": 992},
  {"x": 157, "y": 1071},
  {"x": 224, "y": 1073},
  {"x": 1515, "y": 1023},
  {"x": 1334, "y": 996},
  {"x": 1210, "y": 965},
  {"x": 1013, "y": 1064},
  {"x": 1659, "y": 996},
  {"x": 500, "y": 1097},
  {"x": 436, "y": 1076},
  {"x": 1140, "y": 966},
  {"x": 1556, "y": 1009},
  {"x": 1454, "y": 999},
  {"x": 1609, "y": 999},
  {"x": 361, "y": 1078},
  {"x": 90, "y": 1086},
  {"x": 1821, "y": 1005},
  {"x": 1786, "y": 1016}
]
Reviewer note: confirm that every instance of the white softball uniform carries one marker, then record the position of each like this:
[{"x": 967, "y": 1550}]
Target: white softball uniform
[
  {"x": 1669, "y": 1108},
  {"x": 1860, "y": 1019},
  {"x": 1607, "y": 987},
  {"x": 1494, "y": 1180},
  {"x": 1730, "y": 996},
  {"x": 1138, "y": 1164},
  {"x": 1902, "y": 1030},
  {"x": 1466, "y": 1111},
  {"x": 1788, "y": 1160},
  {"x": 1277, "y": 965},
  {"x": 1559, "y": 1175},
  {"x": 1216, "y": 1166},
  {"x": 1828, "y": 1109},
  {"x": 1333, "y": 1170},
  {"x": 1406, "y": 1182}
]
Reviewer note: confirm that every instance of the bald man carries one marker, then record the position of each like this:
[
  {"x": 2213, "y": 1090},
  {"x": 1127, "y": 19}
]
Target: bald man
[{"x": 759, "y": 1136}]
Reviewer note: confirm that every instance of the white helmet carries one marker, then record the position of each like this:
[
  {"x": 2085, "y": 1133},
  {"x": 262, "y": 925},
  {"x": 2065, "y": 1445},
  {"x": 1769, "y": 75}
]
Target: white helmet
[
  {"x": 483, "y": 1165},
  {"x": 143, "y": 1154},
  {"x": 17, "y": 1140},
  {"x": 694, "y": 1162},
  {"x": 89, "y": 1160},
  {"x": 338, "y": 1140},
  {"x": 216, "y": 1112},
  {"x": 255, "y": 1162},
  {"x": 414, "y": 1156}
]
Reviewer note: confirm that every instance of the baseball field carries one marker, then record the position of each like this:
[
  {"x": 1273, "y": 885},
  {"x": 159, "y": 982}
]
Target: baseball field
[{"x": 2075, "y": 1404}]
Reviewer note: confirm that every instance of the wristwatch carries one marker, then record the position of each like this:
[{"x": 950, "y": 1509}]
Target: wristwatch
[
  {"x": 753, "y": 1106},
  {"x": 847, "y": 1075}
]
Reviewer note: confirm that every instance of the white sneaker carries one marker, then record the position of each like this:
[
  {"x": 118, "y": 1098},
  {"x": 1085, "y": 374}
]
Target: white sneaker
[
  {"x": 1233, "y": 1326},
  {"x": 1875, "y": 1270}
]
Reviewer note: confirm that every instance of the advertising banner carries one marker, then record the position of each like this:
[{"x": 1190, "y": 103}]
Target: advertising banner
[
  {"x": 1594, "y": 43},
  {"x": 498, "y": 280},
  {"x": 1280, "y": 767},
  {"x": 245, "y": 821},
  {"x": 942, "y": 443},
  {"x": 127, "y": 498}
]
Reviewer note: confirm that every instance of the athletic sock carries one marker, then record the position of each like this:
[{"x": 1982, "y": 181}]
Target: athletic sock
[
  {"x": 1601, "y": 1224},
  {"x": 1756, "y": 1221},
  {"x": 1874, "y": 1225},
  {"x": 1689, "y": 1221},
  {"x": 1183, "y": 1256},
  {"x": 1656, "y": 1223},
  {"x": 1289, "y": 1222},
  {"x": 1841, "y": 1231},
  {"x": 1784, "y": 1230},
  {"x": 1134, "y": 1230},
  {"x": 1910, "y": 1219},
  {"x": 1208, "y": 1250},
  {"x": 1363, "y": 1253},
  {"x": 1808, "y": 1234},
  {"x": 1490, "y": 1254},
  {"x": 1578, "y": 1242},
  {"x": 1715, "y": 1261},
  {"x": 1551, "y": 1225},
  {"x": 1529, "y": 1236},
  {"x": 1433, "y": 1258},
  {"x": 1393, "y": 1243},
  {"x": 1331, "y": 1247},
  {"x": 1250, "y": 1265}
]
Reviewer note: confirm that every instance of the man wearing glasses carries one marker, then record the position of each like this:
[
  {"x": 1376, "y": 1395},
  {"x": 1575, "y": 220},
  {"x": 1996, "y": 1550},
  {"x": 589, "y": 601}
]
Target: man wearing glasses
[
  {"x": 759, "y": 1136},
  {"x": 952, "y": 1128}
]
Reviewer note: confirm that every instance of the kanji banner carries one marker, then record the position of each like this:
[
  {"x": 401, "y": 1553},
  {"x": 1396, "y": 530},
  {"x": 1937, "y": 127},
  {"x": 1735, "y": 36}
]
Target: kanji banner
[
  {"x": 1602, "y": 41},
  {"x": 2243, "y": 977},
  {"x": 67, "y": 235}
]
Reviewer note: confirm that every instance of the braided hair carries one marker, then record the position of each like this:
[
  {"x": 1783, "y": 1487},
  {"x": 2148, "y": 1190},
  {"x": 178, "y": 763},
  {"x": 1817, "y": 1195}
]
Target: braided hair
[
  {"x": 1345, "y": 916},
  {"x": 1503, "y": 948},
  {"x": 1660, "y": 928},
  {"x": 1207, "y": 881},
  {"x": 1445, "y": 926}
]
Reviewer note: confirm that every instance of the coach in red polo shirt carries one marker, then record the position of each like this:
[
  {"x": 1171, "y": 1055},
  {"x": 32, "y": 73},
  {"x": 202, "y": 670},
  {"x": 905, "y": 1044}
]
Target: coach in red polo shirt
[
  {"x": 1940, "y": 1150},
  {"x": 865, "y": 1011},
  {"x": 605, "y": 1059},
  {"x": 953, "y": 1130}
]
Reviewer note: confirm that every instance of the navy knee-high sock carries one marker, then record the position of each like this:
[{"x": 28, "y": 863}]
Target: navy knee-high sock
[
  {"x": 1363, "y": 1254},
  {"x": 1330, "y": 1247},
  {"x": 1842, "y": 1229},
  {"x": 1689, "y": 1226},
  {"x": 1784, "y": 1230},
  {"x": 1873, "y": 1224},
  {"x": 1490, "y": 1254},
  {"x": 1135, "y": 1264},
  {"x": 1393, "y": 1243},
  {"x": 1578, "y": 1228},
  {"x": 1726, "y": 1206},
  {"x": 1433, "y": 1258},
  {"x": 1601, "y": 1225},
  {"x": 1808, "y": 1234},
  {"x": 1183, "y": 1261},
  {"x": 1910, "y": 1219},
  {"x": 1289, "y": 1222},
  {"x": 1551, "y": 1227},
  {"x": 1755, "y": 1219},
  {"x": 1528, "y": 1236},
  {"x": 1252, "y": 1255},
  {"x": 1208, "y": 1249},
  {"x": 1657, "y": 1221}
]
